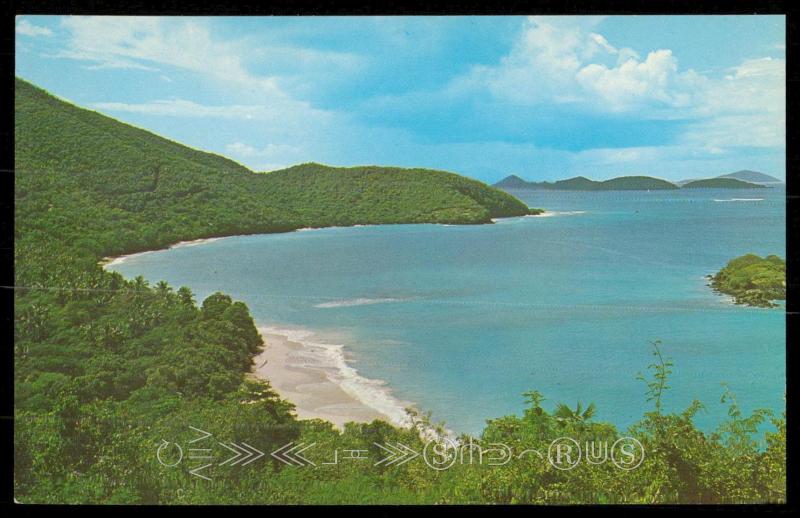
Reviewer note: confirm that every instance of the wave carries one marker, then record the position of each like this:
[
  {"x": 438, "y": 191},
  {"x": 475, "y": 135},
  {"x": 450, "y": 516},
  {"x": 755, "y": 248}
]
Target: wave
[
  {"x": 115, "y": 261},
  {"x": 740, "y": 199},
  {"x": 546, "y": 214},
  {"x": 330, "y": 359},
  {"x": 195, "y": 242},
  {"x": 107, "y": 263},
  {"x": 309, "y": 229},
  {"x": 361, "y": 301},
  {"x": 551, "y": 213}
]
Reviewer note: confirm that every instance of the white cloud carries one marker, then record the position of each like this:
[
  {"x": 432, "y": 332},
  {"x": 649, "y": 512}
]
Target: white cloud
[
  {"x": 634, "y": 82},
  {"x": 287, "y": 119},
  {"x": 270, "y": 150},
  {"x": 553, "y": 61},
  {"x": 746, "y": 108},
  {"x": 26, "y": 28},
  {"x": 147, "y": 43},
  {"x": 541, "y": 65},
  {"x": 238, "y": 148},
  {"x": 756, "y": 85},
  {"x": 152, "y": 43},
  {"x": 184, "y": 108},
  {"x": 161, "y": 45},
  {"x": 751, "y": 130},
  {"x": 268, "y": 158},
  {"x": 560, "y": 60},
  {"x": 617, "y": 156}
]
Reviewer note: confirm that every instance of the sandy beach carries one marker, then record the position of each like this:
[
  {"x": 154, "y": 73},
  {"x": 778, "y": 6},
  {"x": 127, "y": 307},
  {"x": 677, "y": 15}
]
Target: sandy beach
[
  {"x": 302, "y": 374},
  {"x": 105, "y": 262},
  {"x": 314, "y": 376}
]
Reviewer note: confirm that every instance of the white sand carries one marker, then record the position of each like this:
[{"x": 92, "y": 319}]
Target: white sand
[
  {"x": 293, "y": 373},
  {"x": 111, "y": 261}
]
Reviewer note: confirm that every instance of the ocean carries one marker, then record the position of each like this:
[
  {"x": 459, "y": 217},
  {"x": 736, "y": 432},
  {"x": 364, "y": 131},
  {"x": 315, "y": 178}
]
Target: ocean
[{"x": 461, "y": 320}]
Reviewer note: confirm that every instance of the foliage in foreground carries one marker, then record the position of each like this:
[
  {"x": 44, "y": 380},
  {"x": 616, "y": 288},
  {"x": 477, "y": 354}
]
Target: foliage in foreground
[
  {"x": 107, "y": 369},
  {"x": 75, "y": 447},
  {"x": 753, "y": 280}
]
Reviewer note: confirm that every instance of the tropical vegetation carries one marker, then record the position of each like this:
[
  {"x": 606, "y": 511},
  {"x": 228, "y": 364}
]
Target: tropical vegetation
[
  {"x": 753, "y": 280},
  {"x": 129, "y": 392}
]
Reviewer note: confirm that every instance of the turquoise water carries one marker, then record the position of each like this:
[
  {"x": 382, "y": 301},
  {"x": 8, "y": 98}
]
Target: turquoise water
[{"x": 461, "y": 320}]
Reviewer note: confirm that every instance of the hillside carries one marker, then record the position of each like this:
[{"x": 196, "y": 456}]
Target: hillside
[
  {"x": 88, "y": 180},
  {"x": 580, "y": 183},
  {"x": 721, "y": 183},
  {"x": 321, "y": 195},
  {"x": 746, "y": 175}
]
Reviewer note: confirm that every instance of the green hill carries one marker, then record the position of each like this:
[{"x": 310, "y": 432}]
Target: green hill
[
  {"x": 88, "y": 180},
  {"x": 721, "y": 183},
  {"x": 580, "y": 183},
  {"x": 320, "y": 195}
]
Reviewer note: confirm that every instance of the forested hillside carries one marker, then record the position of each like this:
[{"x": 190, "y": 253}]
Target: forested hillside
[
  {"x": 107, "y": 187},
  {"x": 108, "y": 370}
]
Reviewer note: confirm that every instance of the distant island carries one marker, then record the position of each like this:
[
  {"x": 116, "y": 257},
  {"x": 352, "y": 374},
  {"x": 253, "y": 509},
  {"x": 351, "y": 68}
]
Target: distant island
[
  {"x": 752, "y": 176},
  {"x": 752, "y": 280},
  {"x": 580, "y": 183},
  {"x": 721, "y": 183},
  {"x": 738, "y": 180}
]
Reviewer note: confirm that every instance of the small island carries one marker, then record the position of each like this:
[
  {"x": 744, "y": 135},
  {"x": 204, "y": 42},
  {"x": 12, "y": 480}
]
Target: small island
[
  {"x": 738, "y": 180},
  {"x": 752, "y": 280},
  {"x": 581, "y": 183},
  {"x": 721, "y": 183}
]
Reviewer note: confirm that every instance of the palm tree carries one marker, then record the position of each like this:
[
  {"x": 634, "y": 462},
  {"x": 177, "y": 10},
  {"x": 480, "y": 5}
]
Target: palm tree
[
  {"x": 565, "y": 414},
  {"x": 139, "y": 283},
  {"x": 163, "y": 288},
  {"x": 185, "y": 294}
]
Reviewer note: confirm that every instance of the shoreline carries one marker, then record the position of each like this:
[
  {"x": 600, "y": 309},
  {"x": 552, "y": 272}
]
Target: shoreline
[
  {"x": 316, "y": 377},
  {"x": 111, "y": 261}
]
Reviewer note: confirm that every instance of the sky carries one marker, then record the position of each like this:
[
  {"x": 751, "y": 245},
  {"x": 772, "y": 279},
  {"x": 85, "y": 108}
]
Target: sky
[{"x": 545, "y": 98}]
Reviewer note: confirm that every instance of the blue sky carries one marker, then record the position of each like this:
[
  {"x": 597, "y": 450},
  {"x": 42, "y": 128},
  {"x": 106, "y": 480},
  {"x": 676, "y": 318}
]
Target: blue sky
[{"x": 541, "y": 97}]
